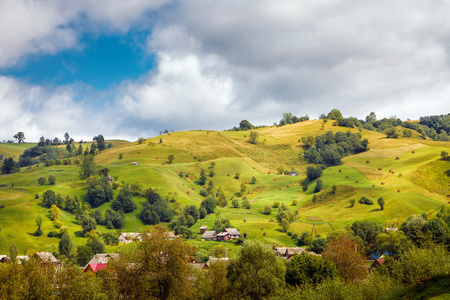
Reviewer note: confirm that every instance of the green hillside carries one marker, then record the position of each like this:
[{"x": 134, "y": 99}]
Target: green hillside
[{"x": 407, "y": 172}]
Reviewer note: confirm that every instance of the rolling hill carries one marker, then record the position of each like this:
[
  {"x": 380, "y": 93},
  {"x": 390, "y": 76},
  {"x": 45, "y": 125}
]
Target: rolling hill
[{"x": 407, "y": 172}]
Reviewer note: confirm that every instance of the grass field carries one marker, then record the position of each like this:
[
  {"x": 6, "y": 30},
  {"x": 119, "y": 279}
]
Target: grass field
[{"x": 407, "y": 173}]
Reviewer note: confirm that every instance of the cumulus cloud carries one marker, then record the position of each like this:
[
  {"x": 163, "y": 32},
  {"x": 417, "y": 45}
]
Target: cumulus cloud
[
  {"x": 35, "y": 27},
  {"x": 219, "y": 62}
]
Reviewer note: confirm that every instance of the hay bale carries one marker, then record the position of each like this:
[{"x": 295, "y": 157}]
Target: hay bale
[
  {"x": 207, "y": 132},
  {"x": 228, "y": 175},
  {"x": 163, "y": 164},
  {"x": 246, "y": 182},
  {"x": 271, "y": 220},
  {"x": 399, "y": 191},
  {"x": 157, "y": 157},
  {"x": 264, "y": 140},
  {"x": 245, "y": 136},
  {"x": 262, "y": 228},
  {"x": 275, "y": 179},
  {"x": 397, "y": 158},
  {"x": 204, "y": 186},
  {"x": 188, "y": 192},
  {"x": 382, "y": 183},
  {"x": 280, "y": 188},
  {"x": 269, "y": 172},
  {"x": 346, "y": 176},
  {"x": 367, "y": 161},
  {"x": 414, "y": 151},
  {"x": 245, "y": 220},
  {"x": 340, "y": 171},
  {"x": 373, "y": 185},
  {"x": 288, "y": 186},
  {"x": 380, "y": 169},
  {"x": 357, "y": 181},
  {"x": 193, "y": 188},
  {"x": 264, "y": 234},
  {"x": 218, "y": 133},
  {"x": 431, "y": 191}
]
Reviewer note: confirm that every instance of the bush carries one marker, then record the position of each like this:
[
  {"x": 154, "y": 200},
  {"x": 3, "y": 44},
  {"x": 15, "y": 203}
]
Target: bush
[
  {"x": 38, "y": 232},
  {"x": 365, "y": 200},
  {"x": 53, "y": 234}
]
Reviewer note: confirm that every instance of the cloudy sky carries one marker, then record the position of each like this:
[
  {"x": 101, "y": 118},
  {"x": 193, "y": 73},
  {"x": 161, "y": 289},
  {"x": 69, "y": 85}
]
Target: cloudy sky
[{"x": 128, "y": 69}]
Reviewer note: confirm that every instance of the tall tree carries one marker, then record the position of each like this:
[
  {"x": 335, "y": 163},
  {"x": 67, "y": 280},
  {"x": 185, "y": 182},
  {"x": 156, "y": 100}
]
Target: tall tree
[
  {"x": 255, "y": 272},
  {"x": 344, "y": 253},
  {"x": 87, "y": 167},
  {"x": 66, "y": 138},
  {"x": 20, "y": 136},
  {"x": 66, "y": 246}
]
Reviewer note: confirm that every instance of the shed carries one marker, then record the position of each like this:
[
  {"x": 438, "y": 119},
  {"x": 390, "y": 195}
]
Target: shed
[
  {"x": 203, "y": 229},
  {"x": 209, "y": 235}
]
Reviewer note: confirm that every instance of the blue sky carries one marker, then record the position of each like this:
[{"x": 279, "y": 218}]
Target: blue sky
[
  {"x": 101, "y": 62},
  {"x": 129, "y": 69}
]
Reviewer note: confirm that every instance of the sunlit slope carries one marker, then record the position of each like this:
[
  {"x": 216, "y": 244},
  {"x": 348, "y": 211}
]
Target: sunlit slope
[{"x": 407, "y": 172}]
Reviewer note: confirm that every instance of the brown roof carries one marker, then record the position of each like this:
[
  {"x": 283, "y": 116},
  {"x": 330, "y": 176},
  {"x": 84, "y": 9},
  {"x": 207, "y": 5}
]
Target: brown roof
[
  {"x": 209, "y": 234},
  {"x": 222, "y": 234},
  {"x": 46, "y": 257},
  {"x": 232, "y": 231},
  {"x": 103, "y": 258}
]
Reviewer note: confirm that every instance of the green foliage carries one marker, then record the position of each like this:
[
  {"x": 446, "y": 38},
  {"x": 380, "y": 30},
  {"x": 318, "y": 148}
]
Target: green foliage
[
  {"x": 171, "y": 158},
  {"x": 366, "y": 230},
  {"x": 124, "y": 201},
  {"x": 313, "y": 173},
  {"x": 391, "y": 132},
  {"x": 365, "y": 200},
  {"x": 202, "y": 179},
  {"x": 305, "y": 239},
  {"x": 352, "y": 202},
  {"x": 237, "y": 175},
  {"x": 99, "y": 192},
  {"x": 245, "y": 203},
  {"x": 49, "y": 198},
  {"x": 267, "y": 210},
  {"x": 381, "y": 203},
  {"x": 212, "y": 173},
  {"x": 334, "y": 115},
  {"x": 88, "y": 224},
  {"x": 114, "y": 219},
  {"x": 319, "y": 186},
  {"x": 416, "y": 263},
  {"x": 96, "y": 245},
  {"x": 202, "y": 212},
  {"x": 209, "y": 204},
  {"x": 51, "y": 179},
  {"x": 66, "y": 246},
  {"x": 87, "y": 167},
  {"x": 42, "y": 180},
  {"x": 235, "y": 203},
  {"x": 329, "y": 148},
  {"x": 253, "y": 139},
  {"x": 309, "y": 269},
  {"x": 256, "y": 272},
  {"x": 155, "y": 209}
]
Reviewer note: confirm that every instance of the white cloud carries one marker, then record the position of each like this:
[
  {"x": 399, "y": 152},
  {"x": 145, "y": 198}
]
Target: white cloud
[{"x": 34, "y": 27}]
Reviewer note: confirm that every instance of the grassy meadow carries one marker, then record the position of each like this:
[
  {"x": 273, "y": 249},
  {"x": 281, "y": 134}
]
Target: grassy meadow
[{"x": 407, "y": 172}]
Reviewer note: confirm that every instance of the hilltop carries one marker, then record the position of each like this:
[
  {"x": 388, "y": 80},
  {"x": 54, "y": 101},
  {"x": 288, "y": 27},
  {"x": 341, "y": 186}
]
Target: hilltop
[{"x": 407, "y": 172}]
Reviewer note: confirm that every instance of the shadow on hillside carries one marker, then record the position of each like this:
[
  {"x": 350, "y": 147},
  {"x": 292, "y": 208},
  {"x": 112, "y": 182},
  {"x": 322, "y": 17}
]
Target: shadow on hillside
[
  {"x": 79, "y": 233},
  {"x": 375, "y": 209}
]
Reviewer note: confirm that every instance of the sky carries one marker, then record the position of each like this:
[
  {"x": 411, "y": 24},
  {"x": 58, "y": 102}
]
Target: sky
[{"x": 130, "y": 69}]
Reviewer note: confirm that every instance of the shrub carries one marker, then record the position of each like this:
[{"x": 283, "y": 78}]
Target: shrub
[
  {"x": 365, "y": 200},
  {"x": 53, "y": 234}
]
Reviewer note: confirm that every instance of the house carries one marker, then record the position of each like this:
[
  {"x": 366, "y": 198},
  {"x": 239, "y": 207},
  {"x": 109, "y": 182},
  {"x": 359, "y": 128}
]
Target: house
[
  {"x": 203, "y": 229},
  {"x": 377, "y": 262},
  {"x": 390, "y": 229},
  {"x": 128, "y": 237},
  {"x": 293, "y": 173},
  {"x": 223, "y": 236},
  {"x": 46, "y": 258},
  {"x": 234, "y": 233},
  {"x": 100, "y": 262},
  {"x": 212, "y": 260},
  {"x": 288, "y": 252},
  {"x": 209, "y": 235},
  {"x": 3, "y": 258},
  {"x": 21, "y": 258}
]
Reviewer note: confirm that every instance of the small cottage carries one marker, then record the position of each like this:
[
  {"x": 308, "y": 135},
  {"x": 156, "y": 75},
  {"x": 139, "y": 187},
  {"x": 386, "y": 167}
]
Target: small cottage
[
  {"x": 209, "y": 235},
  {"x": 203, "y": 229},
  {"x": 234, "y": 233},
  {"x": 223, "y": 236}
]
